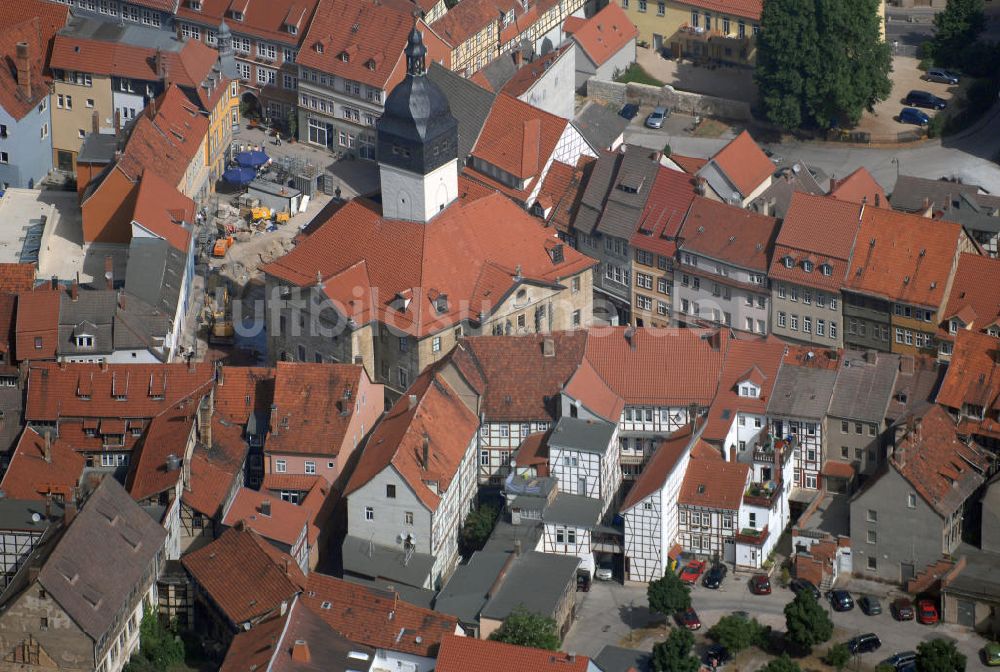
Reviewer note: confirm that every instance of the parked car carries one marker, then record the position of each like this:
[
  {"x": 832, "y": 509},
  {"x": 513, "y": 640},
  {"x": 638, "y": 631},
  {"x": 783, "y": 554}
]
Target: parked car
[
  {"x": 865, "y": 643},
  {"x": 900, "y": 659},
  {"x": 692, "y": 571},
  {"x": 902, "y": 609},
  {"x": 991, "y": 654},
  {"x": 911, "y": 115},
  {"x": 656, "y": 117},
  {"x": 714, "y": 576},
  {"x": 927, "y": 612},
  {"x": 717, "y": 655},
  {"x": 689, "y": 619},
  {"x": 760, "y": 584},
  {"x": 604, "y": 572},
  {"x": 804, "y": 586},
  {"x": 942, "y": 76},
  {"x": 870, "y": 605},
  {"x": 925, "y": 99},
  {"x": 629, "y": 111},
  {"x": 841, "y": 600}
]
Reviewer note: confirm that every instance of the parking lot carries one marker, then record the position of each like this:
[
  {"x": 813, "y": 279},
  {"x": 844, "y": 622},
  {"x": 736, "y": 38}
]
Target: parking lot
[
  {"x": 906, "y": 76},
  {"x": 610, "y": 611}
]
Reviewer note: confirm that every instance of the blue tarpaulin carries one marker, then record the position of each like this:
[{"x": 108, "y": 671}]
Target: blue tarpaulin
[
  {"x": 240, "y": 176},
  {"x": 252, "y": 159}
]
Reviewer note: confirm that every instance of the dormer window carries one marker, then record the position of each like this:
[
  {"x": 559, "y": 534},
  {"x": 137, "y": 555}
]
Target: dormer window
[
  {"x": 788, "y": 261},
  {"x": 318, "y": 47},
  {"x": 84, "y": 341},
  {"x": 195, "y": 5},
  {"x": 953, "y": 326},
  {"x": 345, "y": 57},
  {"x": 292, "y": 30},
  {"x": 807, "y": 266},
  {"x": 750, "y": 390},
  {"x": 993, "y": 331},
  {"x": 236, "y": 15},
  {"x": 826, "y": 269},
  {"x": 371, "y": 64}
]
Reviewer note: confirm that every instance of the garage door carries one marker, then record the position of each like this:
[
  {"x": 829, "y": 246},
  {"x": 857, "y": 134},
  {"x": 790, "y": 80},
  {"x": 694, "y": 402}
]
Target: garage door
[{"x": 967, "y": 613}]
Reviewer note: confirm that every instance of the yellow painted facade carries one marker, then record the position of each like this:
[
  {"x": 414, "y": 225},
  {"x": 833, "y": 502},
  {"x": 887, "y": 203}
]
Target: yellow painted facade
[
  {"x": 688, "y": 31},
  {"x": 74, "y": 101},
  {"x": 222, "y": 119}
]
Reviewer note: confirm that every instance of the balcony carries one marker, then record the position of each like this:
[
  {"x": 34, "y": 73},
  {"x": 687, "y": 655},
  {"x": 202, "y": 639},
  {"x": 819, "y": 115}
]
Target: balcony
[
  {"x": 700, "y": 33},
  {"x": 749, "y": 535},
  {"x": 762, "y": 494},
  {"x": 769, "y": 446}
]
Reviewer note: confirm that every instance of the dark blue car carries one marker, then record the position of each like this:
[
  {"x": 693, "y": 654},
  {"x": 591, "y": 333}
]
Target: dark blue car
[
  {"x": 629, "y": 111},
  {"x": 911, "y": 115}
]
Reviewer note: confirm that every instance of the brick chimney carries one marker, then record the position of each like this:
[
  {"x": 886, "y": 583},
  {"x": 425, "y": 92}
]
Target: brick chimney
[
  {"x": 24, "y": 69},
  {"x": 74, "y": 290},
  {"x": 300, "y": 651},
  {"x": 109, "y": 272}
]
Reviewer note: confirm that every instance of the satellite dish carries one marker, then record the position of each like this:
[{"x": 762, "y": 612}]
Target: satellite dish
[
  {"x": 796, "y": 168},
  {"x": 36, "y": 517}
]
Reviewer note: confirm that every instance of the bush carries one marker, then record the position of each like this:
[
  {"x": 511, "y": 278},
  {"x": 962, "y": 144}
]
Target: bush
[
  {"x": 782, "y": 664},
  {"x": 159, "y": 647},
  {"x": 525, "y": 628},
  {"x": 737, "y": 633},
  {"x": 838, "y": 656},
  {"x": 668, "y": 595},
  {"x": 807, "y": 622},
  {"x": 939, "y": 655},
  {"x": 936, "y": 126},
  {"x": 477, "y": 528}
]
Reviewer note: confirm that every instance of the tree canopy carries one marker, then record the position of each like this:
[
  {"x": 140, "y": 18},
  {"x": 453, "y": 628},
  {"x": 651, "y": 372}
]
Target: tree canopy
[
  {"x": 782, "y": 664},
  {"x": 955, "y": 30},
  {"x": 939, "y": 655},
  {"x": 668, "y": 595},
  {"x": 737, "y": 633},
  {"x": 838, "y": 656},
  {"x": 525, "y": 628},
  {"x": 674, "y": 653},
  {"x": 159, "y": 647},
  {"x": 477, "y": 528},
  {"x": 807, "y": 622},
  {"x": 821, "y": 62}
]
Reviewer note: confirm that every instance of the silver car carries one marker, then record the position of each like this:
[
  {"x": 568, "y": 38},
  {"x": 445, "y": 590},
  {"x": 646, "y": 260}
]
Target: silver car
[
  {"x": 942, "y": 76},
  {"x": 656, "y": 117}
]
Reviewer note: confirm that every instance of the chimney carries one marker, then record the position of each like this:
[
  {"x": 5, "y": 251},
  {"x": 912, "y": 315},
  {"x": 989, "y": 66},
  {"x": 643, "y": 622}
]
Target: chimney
[
  {"x": 300, "y": 651},
  {"x": 833, "y": 183},
  {"x": 274, "y": 418},
  {"x": 871, "y": 356},
  {"x": 95, "y": 122},
  {"x": 732, "y": 453},
  {"x": 109, "y": 270},
  {"x": 878, "y": 201},
  {"x": 54, "y": 283},
  {"x": 265, "y": 508},
  {"x": 426, "y": 452},
  {"x": 518, "y": 58},
  {"x": 104, "y": 365},
  {"x": 47, "y": 447},
  {"x": 74, "y": 290},
  {"x": 411, "y": 402},
  {"x": 630, "y": 337},
  {"x": 699, "y": 186},
  {"x": 24, "y": 69}
]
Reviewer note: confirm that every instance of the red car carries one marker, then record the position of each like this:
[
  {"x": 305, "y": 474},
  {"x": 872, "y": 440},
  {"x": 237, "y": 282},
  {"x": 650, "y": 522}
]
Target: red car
[
  {"x": 927, "y": 612},
  {"x": 692, "y": 571},
  {"x": 760, "y": 584},
  {"x": 689, "y": 619}
]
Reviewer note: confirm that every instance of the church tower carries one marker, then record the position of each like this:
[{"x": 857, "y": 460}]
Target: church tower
[
  {"x": 227, "y": 57},
  {"x": 417, "y": 144}
]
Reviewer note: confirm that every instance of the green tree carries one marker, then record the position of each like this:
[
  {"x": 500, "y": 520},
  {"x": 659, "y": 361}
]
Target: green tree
[
  {"x": 477, "y": 529},
  {"x": 955, "y": 29},
  {"x": 674, "y": 653},
  {"x": 159, "y": 647},
  {"x": 668, "y": 595},
  {"x": 821, "y": 62},
  {"x": 807, "y": 622},
  {"x": 939, "y": 655},
  {"x": 782, "y": 664},
  {"x": 838, "y": 656},
  {"x": 737, "y": 633},
  {"x": 525, "y": 628}
]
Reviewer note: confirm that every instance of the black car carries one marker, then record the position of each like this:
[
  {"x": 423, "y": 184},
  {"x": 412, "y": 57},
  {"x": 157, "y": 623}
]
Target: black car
[
  {"x": 925, "y": 99},
  {"x": 717, "y": 655},
  {"x": 865, "y": 643},
  {"x": 841, "y": 600},
  {"x": 870, "y": 605},
  {"x": 629, "y": 111},
  {"x": 804, "y": 586},
  {"x": 714, "y": 576},
  {"x": 901, "y": 659}
]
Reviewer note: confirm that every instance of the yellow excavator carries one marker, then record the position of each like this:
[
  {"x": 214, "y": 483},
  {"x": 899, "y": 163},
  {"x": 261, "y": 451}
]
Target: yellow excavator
[{"x": 217, "y": 304}]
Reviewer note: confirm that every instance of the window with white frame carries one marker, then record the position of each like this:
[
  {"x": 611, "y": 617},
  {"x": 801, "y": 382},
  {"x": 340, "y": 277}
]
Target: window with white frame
[
  {"x": 190, "y": 32},
  {"x": 241, "y": 44},
  {"x": 310, "y": 467},
  {"x": 243, "y": 69},
  {"x": 369, "y": 513},
  {"x": 280, "y": 466}
]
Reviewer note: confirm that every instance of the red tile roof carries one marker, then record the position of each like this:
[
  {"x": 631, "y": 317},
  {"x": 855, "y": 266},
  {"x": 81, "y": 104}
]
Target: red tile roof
[
  {"x": 461, "y": 654},
  {"x": 689, "y": 164},
  {"x": 242, "y": 391},
  {"x": 748, "y": 9},
  {"x": 819, "y": 229},
  {"x": 714, "y": 484},
  {"x": 530, "y": 72},
  {"x": 261, "y": 18},
  {"x": 377, "y": 618},
  {"x": 32, "y": 476},
  {"x": 729, "y": 233},
  {"x": 518, "y": 138},
  {"x": 465, "y": 19},
  {"x": 356, "y": 247},
  {"x": 209, "y": 485},
  {"x": 973, "y": 376},
  {"x": 669, "y": 453},
  {"x": 13, "y": 98},
  {"x": 521, "y": 383},
  {"x": 533, "y": 452},
  {"x": 744, "y": 163},
  {"x": 636, "y": 368},
  {"x": 104, "y": 58},
  {"x": 572, "y": 24},
  {"x": 244, "y": 575},
  {"x": 605, "y": 34},
  {"x": 973, "y": 294},
  {"x": 668, "y": 203},
  {"x": 431, "y": 412},
  {"x": 943, "y": 469},
  {"x": 16, "y": 278},
  {"x": 903, "y": 257},
  {"x": 314, "y": 405},
  {"x": 37, "y": 317},
  {"x": 161, "y": 210},
  {"x": 89, "y": 390},
  {"x": 755, "y": 359},
  {"x": 838, "y": 469},
  {"x": 860, "y": 187},
  {"x": 300, "y": 482},
  {"x": 587, "y": 387},
  {"x": 561, "y": 190},
  {"x": 167, "y": 434},
  {"x": 285, "y": 525}
]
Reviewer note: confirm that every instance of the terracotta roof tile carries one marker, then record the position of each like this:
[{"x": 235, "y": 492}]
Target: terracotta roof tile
[
  {"x": 37, "y": 318},
  {"x": 572, "y": 24},
  {"x": 13, "y": 98},
  {"x": 589, "y": 388},
  {"x": 459, "y": 654},
  {"x": 744, "y": 163},
  {"x": 261, "y": 18},
  {"x": 299, "y": 482},
  {"x": 605, "y": 34},
  {"x": 465, "y": 19},
  {"x": 439, "y": 417},
  {"x": 860, "y": 187},
  {"x": 209, "y": 486},
  {"x": 518, "y": 138},
  {"x": 285, "y": 524},
  {"x": 377, "y": 618},
  {"x": 166, "y": 435},
  {"x": 668, "y": 203},
  {"x": 16, "y": 278},
  {"x": 755, "y": 359},
  {"x": 904, "y": 257},
  {"x": 748, "y": 9},
  {"x": 728, "y": 233},
  {"x": 820, "y": 228},
  {"x": 162, "y": 210},
  {"x": 973, "y": 376},
  {"x": 530, "y": 72},
  {"x": 665, "y": 459},
  {"x": 689, "y": 164},
  {"x": 31, "y": 476},
  {"x": 534, "y": 452},
  {"x": 242, "y": 391},
  {"x": 943, "y": 469},
  {"x": 314, "y": 405},
  {"x": 244, "y": 575},
  {"x": 838, "y": 469},
  {"x": 713, "y": 484},
  {"x": 974, "y": 289},
  {"x": 104, "y": 58}
]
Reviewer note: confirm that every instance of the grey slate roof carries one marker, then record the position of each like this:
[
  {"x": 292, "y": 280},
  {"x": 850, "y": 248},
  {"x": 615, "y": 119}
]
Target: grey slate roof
[
  {"x": 91, "y": 313},
  {"x": 505, "y": 535},
  {"x": 470, "y": 105},
  {"x": 574, "y": 510},
  {"x": 616, "y": 192},
  {"x": 11, "y": 406},
  {"x": 802, "y": 392},
  {"x": 17, "y": 514},
  {"x": 784, "y": 185},
  {"x": 499, "y": 71},
  {"x": 98, "y": 148},
  {"x": 599, "y": 125},
  {"x": 154, "y": 273},
  {"x": 467, "y": 591},
  {"x": 864, "y": 389},
  {"x": 590, "y": 436},
  {"x": 376, "y": 561},
  {"x": 140, "y": 326},
  {"x": 910, "y": 192},
  {"x": 102, "y": 557},
  {"x": 619, "y": 659},
  {"x": 535, "y": 580},
  {"x": 972, "y": 214}
]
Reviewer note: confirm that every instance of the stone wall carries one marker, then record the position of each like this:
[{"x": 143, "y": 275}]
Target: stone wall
[{"x": 684, "y": 102}]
